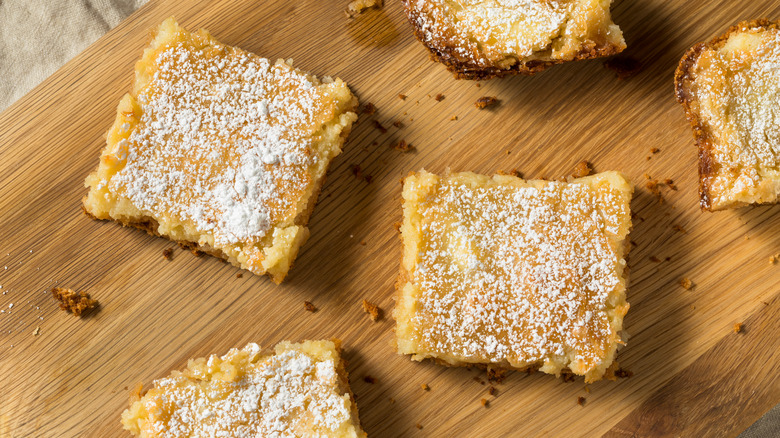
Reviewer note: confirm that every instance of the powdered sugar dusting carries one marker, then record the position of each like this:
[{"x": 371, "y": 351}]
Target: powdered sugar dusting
[
  {"x": 290, "y": 394},
  {"x": 519, "y": 274},
  {"x": 224, "y": 141}
]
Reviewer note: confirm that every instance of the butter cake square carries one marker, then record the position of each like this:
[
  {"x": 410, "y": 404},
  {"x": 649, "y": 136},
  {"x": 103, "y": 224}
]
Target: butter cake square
[
  {"x": 730, "y": 89},
  {"x": 478, "y": 39},
  {"x": 514, "y": 274},
  {"x": 220, "y": 150},
  {"x": 301, "y": 390}
]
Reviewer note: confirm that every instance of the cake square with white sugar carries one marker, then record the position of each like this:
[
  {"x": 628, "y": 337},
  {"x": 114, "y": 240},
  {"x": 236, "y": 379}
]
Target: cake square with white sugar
[
  {"x": 220, "y": 150},
  {"x": 514, "y": 274},
  {"x": 730, "y": 89},
  {"x": 301, "y": 390}
]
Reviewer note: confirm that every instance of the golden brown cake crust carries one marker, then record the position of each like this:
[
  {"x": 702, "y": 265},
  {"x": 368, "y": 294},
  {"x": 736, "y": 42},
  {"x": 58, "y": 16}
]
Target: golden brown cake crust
[
  {"x": 463, "y": 69},
  {"x": 683, "y": 77}
]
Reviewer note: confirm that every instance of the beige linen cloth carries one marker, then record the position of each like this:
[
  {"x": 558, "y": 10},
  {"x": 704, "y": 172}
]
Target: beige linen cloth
[{"x": 39, "y": 36}]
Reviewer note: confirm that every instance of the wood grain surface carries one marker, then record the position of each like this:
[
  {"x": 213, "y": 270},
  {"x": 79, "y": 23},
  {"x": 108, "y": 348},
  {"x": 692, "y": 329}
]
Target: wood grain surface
[{"x": 693, "y": 376}]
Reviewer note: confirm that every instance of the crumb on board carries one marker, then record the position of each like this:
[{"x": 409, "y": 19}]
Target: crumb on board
[
  {"x": 622, "y": 373},
  {"x": 624, "y": 67},
  {"x": 670, "y": 183},
  {"x": 739, "y": 327},
  {"x": 773, "y": 259},
  {"x": 398, "y": 124},
  {"x": 367, "y": 108},
  {"x": 484, "y": 402},
  {"x": 439, "y": 97},
  {"x": 496, "y": 375},
  {"x": 374, "y": 312},
  {"x": 686, "y": 283},
  {"x": 37, "y": 331},
  {"x": 168, "y": 254},
  {"x": 587, "y": 389},
  {"x": 74, "y": 302},
  {"x": 309, "y": 307},
  {"x": 655, "y": 259},
  {"x": 679, "y": 229},
  {"x": 418, "y": 425},
  {"x": 655, "y": 188},
  {"x": 492, "y": 390},
  {"x": 137, "y": 392},
  {"x": 401, "y": 96},
  {"x": 453, "y": 118},
  {"x": 379, "y": 127},
  {"x": 239, "y": 275},
  {"x": 191, "y": 247},
  {"x": 425, "y": 387},
  {"x": 486, "y": 102},
  {"x": 581, "y": 401},
  {"x": 516, "y": 173},
  {"x": 403, "y": 146},
  {"x": 582, "y": 169},
  {"x": 356, "y": 7},
  {"x": 567, "y": 376},
  {"x": 369, "y": 379}
]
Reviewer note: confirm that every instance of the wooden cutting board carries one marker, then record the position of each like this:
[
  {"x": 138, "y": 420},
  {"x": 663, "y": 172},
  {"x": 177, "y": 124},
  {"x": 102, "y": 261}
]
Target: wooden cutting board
[{"x": 692, "y": 374}]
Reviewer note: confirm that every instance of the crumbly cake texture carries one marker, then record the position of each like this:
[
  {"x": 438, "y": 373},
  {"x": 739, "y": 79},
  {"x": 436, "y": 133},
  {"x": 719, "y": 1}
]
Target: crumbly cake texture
[
  {"x": 220, "y": 150},
  {"x": 479, "y": 39},
  {"x": 514, "y": 274},
  {"x": 301, "y": 390},
  {"x": 730, "y": 89}
]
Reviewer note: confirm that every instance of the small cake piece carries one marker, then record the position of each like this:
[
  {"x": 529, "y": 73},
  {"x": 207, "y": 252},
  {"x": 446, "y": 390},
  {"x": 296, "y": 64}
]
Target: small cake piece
[
  {"x": 478, "y": 39},
  {"x": 220, "y": 150},
  {"x": 730, "y": 89},
  {"x": 301, "y": 390},
  {"x": 514, "y": 274}
]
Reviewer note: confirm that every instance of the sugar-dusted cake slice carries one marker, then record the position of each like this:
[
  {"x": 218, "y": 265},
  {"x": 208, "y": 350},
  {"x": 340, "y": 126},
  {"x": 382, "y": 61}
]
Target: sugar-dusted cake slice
[
  {"x": 220, "y": 150},
  {"x": 301, "y": 390},
  {"x": 514, "y": 274},
  {"x": 478, "y": 39},
  {"x": 730, "y": 89}
]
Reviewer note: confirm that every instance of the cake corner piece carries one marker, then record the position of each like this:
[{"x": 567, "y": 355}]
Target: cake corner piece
[
  {"x": 472, "y": 39},
  {"x": 732, "y": 107},
  {"x": 220, "y": 395},
  {"x": 220, "y": 150},
  {"x": 503, "y": 272}
]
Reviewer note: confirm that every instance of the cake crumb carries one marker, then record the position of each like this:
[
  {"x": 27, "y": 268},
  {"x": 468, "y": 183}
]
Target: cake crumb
[
  {"x": 379, "y": 127},
  {"x": 418, "y": 425},
  {"x": 567, "y": 376},
  {"x": 37, "y": 331},
  {"x": 486, "y": 102},
  {"x": 517, "y": 173},
  {"x": 357, "y": 7},
  {"x": 686, "y": 283},
  {"x": 439, "y": 97},
  {"x": 625, "y": 67},
  {"x": 496, "y": 375},
  {"x": 402, "y": 96},
  {"x": 655, "y": 188},
  {"x": 309, "y": 307},
  {"x": 492, "y": 390},
  {"x": 398, "y": 124},
  {"x": 403, "y": 146},
  {"x": 425, "y": 387},
  {"x": 655, "y": 259},
  {"x": 739, "y": 327},
  {"x": 374, "y": 312},
  {"x": 239, "y": 275},
  {"x": 581, "y": 401},
  {"x": 368, "y": 108},
  {"x": 453, "y": 118},
  {"x": 679, "y": 229},
  {"x": 582, "y": 169},
  {"x": 587, "y": 389},
  {"x": 670, "y": 183},
  {"x": 76, "y": 303},
  {"x": 622, "y": 373},
  {"x": 774, "y": 258},
  {"x": 137, "y": 392},
  {"x": 485, "y": 402},
  {"x": 168, "y": 254},
  {"x": 369, "y": 379}
]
